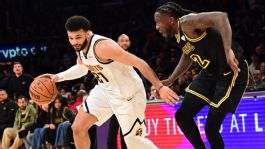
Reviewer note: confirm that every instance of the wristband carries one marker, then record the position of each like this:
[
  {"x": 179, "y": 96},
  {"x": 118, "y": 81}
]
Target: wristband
[{"x": 160, "y": 88}]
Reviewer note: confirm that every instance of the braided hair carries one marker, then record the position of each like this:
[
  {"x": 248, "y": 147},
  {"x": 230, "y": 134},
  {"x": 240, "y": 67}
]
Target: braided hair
[{"x": 172, "y": 9}]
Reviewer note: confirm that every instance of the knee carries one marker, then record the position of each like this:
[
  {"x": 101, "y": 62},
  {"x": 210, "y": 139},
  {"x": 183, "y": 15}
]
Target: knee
[
  {"x": 76, "y": 128},
  {"x": 79, "y": 129},
  {"x": 7, "y": 131}
]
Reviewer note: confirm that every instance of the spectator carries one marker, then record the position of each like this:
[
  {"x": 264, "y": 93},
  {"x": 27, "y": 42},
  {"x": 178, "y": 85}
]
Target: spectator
[
  {"x": 61, "y": 133},
  {"x": 5, "y": 77},
  {"x": 8, "y": 110},
  {"x": 39, "y": 135},
  {"x": 59, "y": 113},
  {"x": 254, "y": 63},
  {"x": 19, "y": 83},
  {"x": 262, "y": 70},
  {"x": 153, "y": 94},
  {"x": 24, "y": 121},
  {"x": 258, "y": 84},
  {"x": 79, "y": 100},
  {"x": 82, "y": 86}
]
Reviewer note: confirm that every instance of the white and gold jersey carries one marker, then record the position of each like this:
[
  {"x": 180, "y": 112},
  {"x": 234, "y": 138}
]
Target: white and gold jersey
[{"x": 119, "y": 80}]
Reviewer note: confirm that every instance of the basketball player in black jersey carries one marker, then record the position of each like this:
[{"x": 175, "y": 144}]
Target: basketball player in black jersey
[{"x": 205, "y": 38}]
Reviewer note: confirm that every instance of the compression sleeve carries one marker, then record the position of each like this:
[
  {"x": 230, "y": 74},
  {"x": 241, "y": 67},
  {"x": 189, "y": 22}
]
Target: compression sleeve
[{"x": 75, "y": 72}]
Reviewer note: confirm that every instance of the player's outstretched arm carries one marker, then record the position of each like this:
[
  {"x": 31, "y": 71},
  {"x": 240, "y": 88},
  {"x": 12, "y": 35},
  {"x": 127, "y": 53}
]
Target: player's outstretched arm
[
  {"x": 218, "y": 20},
  {"x": 108, "y": 49},
  {"x": 74, "y": 72},
  {"x": 183, "y": 65}
]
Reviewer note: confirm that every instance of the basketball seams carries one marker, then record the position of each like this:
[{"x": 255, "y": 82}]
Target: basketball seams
[
  {"x": 45, "y": 86},
  {"x": 40, "y": 93}
]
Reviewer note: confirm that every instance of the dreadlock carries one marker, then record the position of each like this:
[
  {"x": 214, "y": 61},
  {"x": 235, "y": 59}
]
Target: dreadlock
[{"x": 172, "y": 9}]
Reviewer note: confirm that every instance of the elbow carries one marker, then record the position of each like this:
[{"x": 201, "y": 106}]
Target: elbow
[
  {"x": 222, "y": 16},
  {"x": 142, "y": 66},
  {"x": 138, "y": 64}
]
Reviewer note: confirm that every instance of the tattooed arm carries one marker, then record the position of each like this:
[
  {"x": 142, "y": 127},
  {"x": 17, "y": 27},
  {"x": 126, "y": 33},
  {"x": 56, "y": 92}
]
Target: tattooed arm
[
  {"x": 219, "y": 20},
  {"x": 183, "y": 65}
]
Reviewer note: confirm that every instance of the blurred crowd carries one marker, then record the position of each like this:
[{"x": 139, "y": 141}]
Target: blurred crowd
[
  {"x": 29, "y": 21},
  {"x": 25, "y": 125}
]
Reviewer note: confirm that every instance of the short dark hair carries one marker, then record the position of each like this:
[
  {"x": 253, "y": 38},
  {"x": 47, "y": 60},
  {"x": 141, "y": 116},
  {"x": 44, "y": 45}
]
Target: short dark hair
[
  {"x": 76, "y": 23},
  {"x": 173, "y": 9},
  {"x": 16, "y": 62},
  {"x": 22, "y": 96},
  {"x": 2, "y": 90}
]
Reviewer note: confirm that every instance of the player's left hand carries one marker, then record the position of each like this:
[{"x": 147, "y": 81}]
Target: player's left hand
[
  {"x": 168, "y": 95},
  {"x": 53, "y": 77},
  {"x": 232, "y": 61}
]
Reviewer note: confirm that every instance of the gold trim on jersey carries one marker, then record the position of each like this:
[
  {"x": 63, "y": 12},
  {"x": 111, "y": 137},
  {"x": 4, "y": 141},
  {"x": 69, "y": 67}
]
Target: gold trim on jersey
[
  {"x": 188, "y": 48},
  {"x": 248, "y": 72},
  {"x": 177, "y": 36},
  {"x": 248, "y": 76},
  {"x": 216, "y": 105},
  {"x": 227, "y": 73},
  {"x": 196, "y": 39}
]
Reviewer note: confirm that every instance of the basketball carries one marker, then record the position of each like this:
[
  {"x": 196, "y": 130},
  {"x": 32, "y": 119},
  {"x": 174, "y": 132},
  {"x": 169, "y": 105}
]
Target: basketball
[{"x": 42, "y": 90}]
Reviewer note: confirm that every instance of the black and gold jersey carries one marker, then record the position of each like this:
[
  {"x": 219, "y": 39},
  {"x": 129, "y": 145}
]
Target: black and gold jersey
[{"x": 207, "y": 50}]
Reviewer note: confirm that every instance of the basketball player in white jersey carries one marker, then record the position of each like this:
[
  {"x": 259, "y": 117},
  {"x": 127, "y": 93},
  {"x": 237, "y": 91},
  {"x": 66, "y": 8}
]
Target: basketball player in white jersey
[{"x": 120, "y": 90}]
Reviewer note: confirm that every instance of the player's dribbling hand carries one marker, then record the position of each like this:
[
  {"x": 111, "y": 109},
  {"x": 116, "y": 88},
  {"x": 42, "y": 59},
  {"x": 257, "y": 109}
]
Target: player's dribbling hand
[
  {"x": 168, "y": 95},
  {"x": 53, "y": 77},
  {"x": 232, "y": 61}
]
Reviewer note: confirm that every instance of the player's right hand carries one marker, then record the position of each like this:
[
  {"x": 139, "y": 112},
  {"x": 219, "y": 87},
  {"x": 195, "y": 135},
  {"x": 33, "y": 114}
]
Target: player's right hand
[
  {"x": 53, "y": 77},
  {"x": 232, "y": 61},
  {"x": 168, "y": 95}
]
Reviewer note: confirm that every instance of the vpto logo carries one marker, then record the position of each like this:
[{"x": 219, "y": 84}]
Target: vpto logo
[{"x": 20, "y": 51}]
